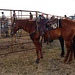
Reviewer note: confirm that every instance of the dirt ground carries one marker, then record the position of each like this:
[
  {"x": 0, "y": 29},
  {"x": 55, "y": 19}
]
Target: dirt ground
[{"x": 23, "y": 62}]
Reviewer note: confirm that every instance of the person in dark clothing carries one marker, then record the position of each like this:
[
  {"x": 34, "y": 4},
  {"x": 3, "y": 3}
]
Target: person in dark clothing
[{"x": 31, "y": 16}]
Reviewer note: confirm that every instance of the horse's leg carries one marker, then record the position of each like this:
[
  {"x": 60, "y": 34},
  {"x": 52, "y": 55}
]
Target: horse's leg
[
  {"x": 71, "y": 54},
  {"x": 41, "y": 50},
  {"x": 37, "y": 46},
  {"x": 74, "y": 46},
  {"x": 67, "y": 55},
  {"x": 62, "y": 45},
  {"x": 68, "y": 46},
  {"x": 72, "y": 50}
]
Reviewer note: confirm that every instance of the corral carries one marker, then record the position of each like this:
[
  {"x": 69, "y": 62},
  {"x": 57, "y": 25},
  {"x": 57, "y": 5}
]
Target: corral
[
  {"x": 20, "y": 14},
  {"x": 18, "y": 58}
]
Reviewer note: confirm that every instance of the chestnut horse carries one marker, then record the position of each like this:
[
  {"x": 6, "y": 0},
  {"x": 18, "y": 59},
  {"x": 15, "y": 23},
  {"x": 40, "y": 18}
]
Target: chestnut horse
[
  {"x": 67, "y": 31},
  {"x": 29, "y": 26}
]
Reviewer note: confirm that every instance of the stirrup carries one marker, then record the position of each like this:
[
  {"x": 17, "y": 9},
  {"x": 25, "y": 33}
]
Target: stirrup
[{"x": 41, "y": 39}]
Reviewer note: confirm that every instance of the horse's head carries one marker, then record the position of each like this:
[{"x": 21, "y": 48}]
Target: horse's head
[
  {"x": 15, "y": 27},
  {"x": 26, "y": 25}
]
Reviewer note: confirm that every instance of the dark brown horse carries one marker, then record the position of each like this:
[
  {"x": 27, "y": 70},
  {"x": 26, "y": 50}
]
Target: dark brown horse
[
  {"x": 67, "y": 31},
  {"x": 29, "y": 26}
]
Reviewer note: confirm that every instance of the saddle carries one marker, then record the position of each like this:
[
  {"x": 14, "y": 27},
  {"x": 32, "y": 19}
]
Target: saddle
[
  {"x": 41, "y": 26},
  {"x": 55, "y": 23}
]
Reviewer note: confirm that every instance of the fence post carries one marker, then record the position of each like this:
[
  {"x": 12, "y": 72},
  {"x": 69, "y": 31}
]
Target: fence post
[
  {"x": 11, "y": 31},
  {"x": 0, "y": 28},
  {"x": 14, "y": 20},
  {"x": 11, "y": 22},
  {"x": 18, "y": 14},
  {"x": 46, "y": 15},
  {"x": 36, "y": 14},
  {"x": 21, "y": 14}
]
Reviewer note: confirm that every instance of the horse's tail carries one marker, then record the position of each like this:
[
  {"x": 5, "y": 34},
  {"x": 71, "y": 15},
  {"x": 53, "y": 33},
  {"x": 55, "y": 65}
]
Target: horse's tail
[{"x": 74, "y": 46}]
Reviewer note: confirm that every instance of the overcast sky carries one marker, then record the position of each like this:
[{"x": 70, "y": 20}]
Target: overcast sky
[{"x": 55, "y": 7}]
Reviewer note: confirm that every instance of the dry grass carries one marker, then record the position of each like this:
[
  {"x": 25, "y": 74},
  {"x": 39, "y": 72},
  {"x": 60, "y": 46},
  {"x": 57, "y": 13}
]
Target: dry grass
[{"x": 23, "y": 63}]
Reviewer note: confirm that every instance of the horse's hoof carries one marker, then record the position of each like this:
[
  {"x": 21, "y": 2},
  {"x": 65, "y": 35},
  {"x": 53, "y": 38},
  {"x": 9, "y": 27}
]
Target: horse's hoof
[
  {"x": 62, "y": 55},
  {"x": 37, "y": 61},
  {"x": 64, "y": 62},
  {"x": 69, "y": 62},
  {"x": 41, "y": 57}
]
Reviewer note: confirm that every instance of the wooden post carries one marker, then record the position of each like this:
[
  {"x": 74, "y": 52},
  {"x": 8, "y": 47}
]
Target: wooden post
[
  {"x": 12, "y": 44},
  {"x": 21, "y": 14},
  {"x": 36, "y": 14},
  {"x": 18, "y": 14},
  {"x": 0, "y": 28},
  {"x": 11, "y": 32},
  {"x": 14, "y": 14},
  {"x": 21, "y": 29},
  {"x": 14, "y": 20},
  {"x": 46, "y": 15},
  {"x": 11, "y": 14},
  {"x": 10, "y": 21}
]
